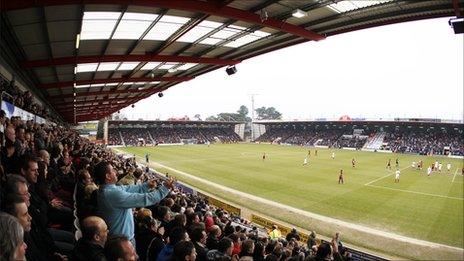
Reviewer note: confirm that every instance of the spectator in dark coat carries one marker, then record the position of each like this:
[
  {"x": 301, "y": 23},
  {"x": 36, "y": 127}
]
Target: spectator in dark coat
[
  {"x": 293, "y": 234},
  {"x": 94, "y": 235},
  {"x": 198, "y": 237},
  {"x": 149, "y": 241},
  {"x": 213, "y": 237}
]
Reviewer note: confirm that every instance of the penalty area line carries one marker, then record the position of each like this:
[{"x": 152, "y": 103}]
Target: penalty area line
[
  {"x": 416, "y": 192},
  {"x": 377, "y": 179},
  {"x": 454, "y": 175}
]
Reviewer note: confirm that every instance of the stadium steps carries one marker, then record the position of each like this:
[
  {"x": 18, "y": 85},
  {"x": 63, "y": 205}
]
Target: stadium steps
[
  {"x": 122, "y": 139},
  {"x": 375, "y": 142},
  {"x": 203, "y": 135},
  {"x": 151, "y": 138}
]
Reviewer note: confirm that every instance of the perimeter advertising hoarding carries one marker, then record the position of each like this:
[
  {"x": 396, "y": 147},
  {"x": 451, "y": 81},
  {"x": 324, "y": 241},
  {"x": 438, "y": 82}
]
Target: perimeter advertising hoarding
[
  {"x": 215, "y": 202},
  {"x": 267, "y": 223}
]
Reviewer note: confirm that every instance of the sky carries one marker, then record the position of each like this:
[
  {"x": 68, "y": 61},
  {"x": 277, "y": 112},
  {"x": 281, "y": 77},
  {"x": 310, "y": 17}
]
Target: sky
[{"x": 412, "y": 69}]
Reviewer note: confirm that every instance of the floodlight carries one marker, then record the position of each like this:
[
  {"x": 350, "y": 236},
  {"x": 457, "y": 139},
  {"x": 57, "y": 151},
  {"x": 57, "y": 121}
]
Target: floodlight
[
  {"x": 457, "y": 24},
  {"x": 172, "y": 70},
  {"x": 231, "y": 70},
  {"x": 78, "y": 39},
  {"x": 298, "y": 13}
]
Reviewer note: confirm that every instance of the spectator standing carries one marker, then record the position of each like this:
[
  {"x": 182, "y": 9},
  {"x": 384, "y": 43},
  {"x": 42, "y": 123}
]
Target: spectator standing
[
  {"x": 115, "y": 203},
  {"x": 275, "y": 233}
]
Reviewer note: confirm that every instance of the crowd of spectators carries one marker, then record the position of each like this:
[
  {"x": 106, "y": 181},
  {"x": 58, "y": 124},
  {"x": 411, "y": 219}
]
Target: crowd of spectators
[
  {"x": 350, "y": 141},
  {"x": 161, "y": 135},
  {"x": 113, "y": 137},
  {"x": 302, "y": 137},
  {"x": 276, "y": 135},
  {"x": 425, "y": 142},
  {"x": 164, "y": 135},
  {"x": 135, "y": 136},
  {"x": 421, "y": 141},
  {"x": 65, "y": 198},
  {"x": 22, "y": 99}
]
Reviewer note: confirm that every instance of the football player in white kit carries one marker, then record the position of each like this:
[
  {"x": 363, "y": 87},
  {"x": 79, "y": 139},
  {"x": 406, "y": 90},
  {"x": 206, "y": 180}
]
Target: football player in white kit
[
  {"x": 305, "y": 162},
  {"x": 448, "y": 166},
  {"x": 429, "y": 171},
  {"x": 333, "y": 155},
  {"x": 397, "y": 176}
]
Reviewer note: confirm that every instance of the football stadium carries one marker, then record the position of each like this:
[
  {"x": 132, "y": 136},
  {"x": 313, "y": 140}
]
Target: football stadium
[{"x": 121, "y": 140}]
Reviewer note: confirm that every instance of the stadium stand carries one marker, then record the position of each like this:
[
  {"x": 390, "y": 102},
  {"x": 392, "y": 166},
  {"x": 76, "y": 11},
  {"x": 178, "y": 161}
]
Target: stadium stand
[
  {"x": 62, "y": 202},
  {"x": 166, "y": 132},
  {"x": 424, "y": 138},
  {"x": 11, "y": 93},
  {"x": 54, "y": 52}
]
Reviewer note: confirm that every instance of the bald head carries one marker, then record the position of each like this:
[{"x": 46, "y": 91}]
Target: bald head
[{"x": 95, "y": 230}]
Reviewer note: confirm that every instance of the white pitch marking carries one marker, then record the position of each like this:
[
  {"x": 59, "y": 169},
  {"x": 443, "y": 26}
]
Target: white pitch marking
[
  {"x": 455, "y": 175},
  {"x": 377, "y": 179},
  {"x": 416, "y": 192},
  {"x": 314, "y": 215}
]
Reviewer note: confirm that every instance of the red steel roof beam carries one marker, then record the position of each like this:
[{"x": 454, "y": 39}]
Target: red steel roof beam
[
  {"x": 127, "y": 58},
  {"x": 90, "y": 108},
  {"x": 191, "y": 6},
  {"x": 68, "y": 104},
  {"x": 114, "y": 80},
  {"x": 88, "y": 94}
]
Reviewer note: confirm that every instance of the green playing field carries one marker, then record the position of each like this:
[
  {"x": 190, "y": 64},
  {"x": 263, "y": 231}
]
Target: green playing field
[{"x": 427, "y": 208}]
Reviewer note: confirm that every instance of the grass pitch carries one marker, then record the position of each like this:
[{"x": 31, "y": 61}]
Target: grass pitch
[{"x": 427, "y": 208}]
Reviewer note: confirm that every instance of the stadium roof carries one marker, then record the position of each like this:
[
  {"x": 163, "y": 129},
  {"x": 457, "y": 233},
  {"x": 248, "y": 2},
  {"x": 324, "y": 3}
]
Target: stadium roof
[{"x": 91, "y": 58}]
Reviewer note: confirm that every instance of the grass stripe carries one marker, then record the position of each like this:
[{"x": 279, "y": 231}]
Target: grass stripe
[
  {"x": 416, "y": 192},
  {"x": 368, "y": 183}
]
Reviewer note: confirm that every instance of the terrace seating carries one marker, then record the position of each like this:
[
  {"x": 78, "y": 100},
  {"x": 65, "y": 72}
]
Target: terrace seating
[
  {"x": 168, "y": 135},
  {"x": 427, "y": 141},
  {"x": 72, "y": 157}
]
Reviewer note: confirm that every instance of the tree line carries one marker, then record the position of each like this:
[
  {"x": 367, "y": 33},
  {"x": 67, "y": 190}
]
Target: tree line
[{"x": 262, "y": 113}]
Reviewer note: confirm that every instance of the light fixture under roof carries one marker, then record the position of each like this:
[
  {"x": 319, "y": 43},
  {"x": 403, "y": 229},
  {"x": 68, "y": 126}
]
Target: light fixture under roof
[
  {"x": 78, "y": 39},
  {"x": 298, "y": 13}
]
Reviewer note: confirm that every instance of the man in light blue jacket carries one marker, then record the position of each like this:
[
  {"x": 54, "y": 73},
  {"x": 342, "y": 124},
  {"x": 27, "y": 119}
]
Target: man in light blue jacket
[{"x": 115, "y": 203}]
